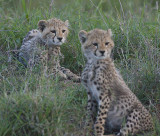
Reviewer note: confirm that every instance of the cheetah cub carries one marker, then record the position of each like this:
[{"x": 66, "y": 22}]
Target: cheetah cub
[
  {"x": 118, "y": 107},
  {"x": 43, "y": 46}
]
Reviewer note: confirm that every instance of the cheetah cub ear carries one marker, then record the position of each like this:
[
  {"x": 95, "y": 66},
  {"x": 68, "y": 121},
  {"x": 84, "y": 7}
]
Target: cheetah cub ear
[
  {"x": 82, "y": 36},
  {"x": 42, "y": 25},
  {"x": 66, "y": 23},
  {"x": 109, "y": 32}
]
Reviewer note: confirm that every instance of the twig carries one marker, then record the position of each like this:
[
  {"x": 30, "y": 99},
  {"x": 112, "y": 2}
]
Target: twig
[
  {"x": 9, "y": 30},
  {"x": 122, "y": 10},
  {"x": 99, "y": 13},
  {"x": 150, "y": 102},
  {"x": 50, "y": 7},
  {"x": 12, "y": 51}
]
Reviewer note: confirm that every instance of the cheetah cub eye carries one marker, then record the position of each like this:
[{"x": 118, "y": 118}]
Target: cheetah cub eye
[
  {"x": 63, "y": 31},
  {"x": 106, "y": 43},
  {"x": 95, "y": 44},
  {"x": 53, "y": 31}
]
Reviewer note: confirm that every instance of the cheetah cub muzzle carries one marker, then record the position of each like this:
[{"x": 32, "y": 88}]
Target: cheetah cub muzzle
[{"x": 119, "y": 110}]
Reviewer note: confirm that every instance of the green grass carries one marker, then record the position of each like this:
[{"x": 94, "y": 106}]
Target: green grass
[{"x": 33, "y": 105}]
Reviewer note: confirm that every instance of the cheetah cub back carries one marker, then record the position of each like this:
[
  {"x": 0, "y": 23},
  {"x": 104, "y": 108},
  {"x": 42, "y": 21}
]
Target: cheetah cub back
[{"x": 118, "y": 108}]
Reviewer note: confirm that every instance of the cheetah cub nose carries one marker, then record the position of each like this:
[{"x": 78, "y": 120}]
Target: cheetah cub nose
[
  {"x": 102, "y": 52},
  {"x": 59, "y": 38}
]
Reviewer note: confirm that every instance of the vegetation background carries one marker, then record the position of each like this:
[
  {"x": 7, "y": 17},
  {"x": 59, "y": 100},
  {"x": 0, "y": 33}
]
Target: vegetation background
[{"x": 33, "y": 105}]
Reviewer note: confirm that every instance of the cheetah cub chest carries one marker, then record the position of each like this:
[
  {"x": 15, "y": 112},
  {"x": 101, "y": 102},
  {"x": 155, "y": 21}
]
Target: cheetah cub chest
[
  {"x": 118, "y": 108},
  {"x": 87, "y": 79}
]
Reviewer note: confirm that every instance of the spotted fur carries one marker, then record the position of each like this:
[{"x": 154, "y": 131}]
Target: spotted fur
[
  {"x": 118, "y": 107},
  {"x": 31, "y": 34},
  {"x": 42, "y": 46}
]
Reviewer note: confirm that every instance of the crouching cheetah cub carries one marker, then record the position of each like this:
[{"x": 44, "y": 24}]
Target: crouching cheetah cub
[
  {"x": 43, "y": 46},
  {"x": 118, "y": 107}
]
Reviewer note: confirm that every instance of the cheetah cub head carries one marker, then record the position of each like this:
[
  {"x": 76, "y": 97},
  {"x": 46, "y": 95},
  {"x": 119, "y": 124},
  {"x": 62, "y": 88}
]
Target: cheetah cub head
[
  {"x": 96, "y": 44},
  {"x": 53, "y": 31}
]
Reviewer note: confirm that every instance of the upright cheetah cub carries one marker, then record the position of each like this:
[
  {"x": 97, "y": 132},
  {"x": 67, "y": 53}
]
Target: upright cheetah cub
[
  {"x": 43, "y": 46},
  {"x": 118, "y": 107}
]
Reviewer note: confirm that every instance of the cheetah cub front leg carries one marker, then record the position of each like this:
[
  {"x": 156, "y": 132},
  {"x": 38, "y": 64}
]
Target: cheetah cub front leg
[
  {"x": 118, "y": 107},
  {"x": 103, "y": 107},
  {"x": 91, "y": 111},
  {"x": 70, "y": 75}
]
